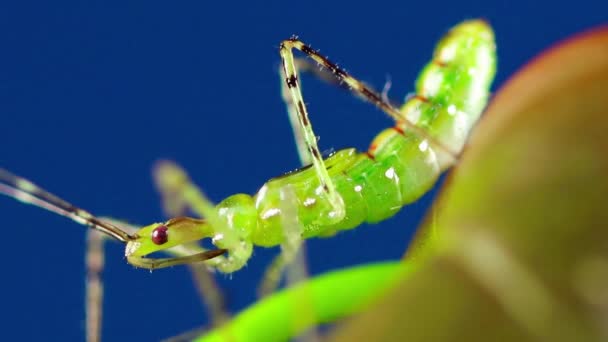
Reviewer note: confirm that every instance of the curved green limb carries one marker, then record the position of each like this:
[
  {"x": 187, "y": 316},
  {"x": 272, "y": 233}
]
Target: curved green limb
[
  {"x": 334, "y": 295},
  {"x": 292, "y": 248},
  {"x": 305, "y": 128}
]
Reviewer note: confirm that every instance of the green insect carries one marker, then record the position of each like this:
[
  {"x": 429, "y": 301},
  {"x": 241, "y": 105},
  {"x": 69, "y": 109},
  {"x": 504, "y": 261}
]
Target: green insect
[{"x": 329, "y": 195}]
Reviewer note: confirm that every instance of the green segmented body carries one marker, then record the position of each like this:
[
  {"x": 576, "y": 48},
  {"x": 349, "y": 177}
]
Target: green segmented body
[
  {"x": 399, "y": 167},
  {"x": 338, "y": 193}
]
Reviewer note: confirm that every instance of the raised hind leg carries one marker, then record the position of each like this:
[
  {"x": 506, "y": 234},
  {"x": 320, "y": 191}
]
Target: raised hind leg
[
  {"x": 308, "y": 150},
  {"x": 306, "y": 66},
  {"x": 303, "y": 66},
  {"x": 306, "y": 133},
  {"x": 347, "y": 81},
  {"x": 302, "y": 130}
]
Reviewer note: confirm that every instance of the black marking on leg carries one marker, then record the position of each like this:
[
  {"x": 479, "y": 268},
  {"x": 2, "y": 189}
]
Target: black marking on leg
[
  {"x": 373, "y": 97},
  {"x": 309, "y": 51},
  {"x": 335, "y": 69},
  {"x": 303, "y": 113},
  {"x": 325, "y": 187},
  {"x": 315, "y": 152},
  {"x": 340, "y": 72},
  {"x": 292, "y": 81}
]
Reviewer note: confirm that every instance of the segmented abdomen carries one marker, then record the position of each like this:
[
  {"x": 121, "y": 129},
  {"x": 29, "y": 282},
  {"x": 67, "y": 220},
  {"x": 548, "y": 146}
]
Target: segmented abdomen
[{"x": 451, "y": 92}]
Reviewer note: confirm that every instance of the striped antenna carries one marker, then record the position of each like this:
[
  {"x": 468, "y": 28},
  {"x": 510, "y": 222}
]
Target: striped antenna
[{"x": 27, "y": 192}]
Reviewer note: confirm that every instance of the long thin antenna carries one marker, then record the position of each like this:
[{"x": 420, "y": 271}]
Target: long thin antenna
[{"x": 27, "y": 192}]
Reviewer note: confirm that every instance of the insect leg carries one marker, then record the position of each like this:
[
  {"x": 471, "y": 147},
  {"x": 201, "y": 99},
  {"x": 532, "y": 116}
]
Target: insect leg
[
  {"x": 292, "y": 249},
  {"x": 305, "y": 127},
  {"x": 292, "y": 260},
  {"x": 94, "y": 285},
  {"x": 272, "y": 275},
  {"x": 303, "y": 66},
  {"x": 292, "y": 113},
  {"x": 173, "y": 181},
  {"x": 357, "y": 87},
  {"x": 94, "y": 261},
  {"x": 296, "y": 272}
]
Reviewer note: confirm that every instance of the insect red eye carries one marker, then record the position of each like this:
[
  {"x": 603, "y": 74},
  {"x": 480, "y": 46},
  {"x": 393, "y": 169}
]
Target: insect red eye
[{"x": 159, "y": 235}]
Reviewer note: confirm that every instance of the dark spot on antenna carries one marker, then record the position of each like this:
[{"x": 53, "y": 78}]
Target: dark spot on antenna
[{"x": 159, "y": 235}]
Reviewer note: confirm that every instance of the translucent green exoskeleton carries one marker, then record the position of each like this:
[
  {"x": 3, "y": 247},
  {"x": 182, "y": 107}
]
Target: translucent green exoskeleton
[
  {"x": 336, "y": 193},
  {"x": 349, "y": 187}
]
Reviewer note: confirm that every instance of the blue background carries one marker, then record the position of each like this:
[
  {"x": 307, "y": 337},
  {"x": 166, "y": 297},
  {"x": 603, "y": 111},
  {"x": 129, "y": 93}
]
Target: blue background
[{"x": 91, "y": 94}]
